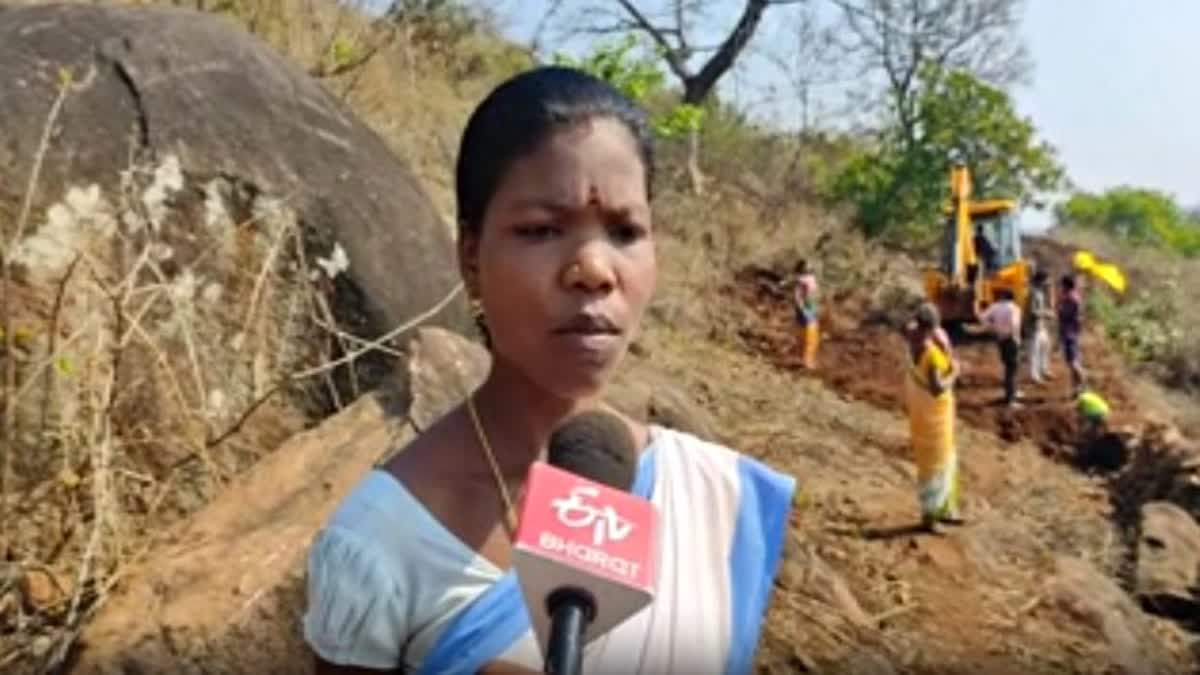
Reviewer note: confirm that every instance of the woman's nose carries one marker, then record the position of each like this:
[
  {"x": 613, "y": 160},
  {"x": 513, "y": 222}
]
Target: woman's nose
[{"x": 589, "y": 270}]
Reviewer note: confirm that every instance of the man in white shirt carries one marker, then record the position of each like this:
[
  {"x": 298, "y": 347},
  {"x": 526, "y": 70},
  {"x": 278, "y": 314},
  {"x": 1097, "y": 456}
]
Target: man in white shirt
[{"x": 1003, "y": 319}]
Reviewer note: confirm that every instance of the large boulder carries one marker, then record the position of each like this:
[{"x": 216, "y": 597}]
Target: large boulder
[
  {"x": 209, "y": 236},
  {"x": 1168, "y": 561},
  {"x": 158, "y": 81},
  {"x": 1085, "y": 594}
]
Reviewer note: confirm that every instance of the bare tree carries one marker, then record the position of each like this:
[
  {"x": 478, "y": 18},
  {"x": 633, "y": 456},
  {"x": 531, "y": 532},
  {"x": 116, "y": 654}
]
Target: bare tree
[
  {"x": 805, "y": 54},
  {"x": 895, "y": 38},
  {"x": 674, "y": 28}
]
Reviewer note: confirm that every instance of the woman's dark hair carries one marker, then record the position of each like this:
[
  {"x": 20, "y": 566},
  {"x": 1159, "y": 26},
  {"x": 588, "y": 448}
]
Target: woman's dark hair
[
  {"x": 1068, "y": 282},
  {"x": 927, "y": 316},
  {"x": 519, "y": 114}
]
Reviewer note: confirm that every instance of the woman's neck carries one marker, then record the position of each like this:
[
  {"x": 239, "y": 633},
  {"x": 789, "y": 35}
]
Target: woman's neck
[
  {"x": 917, "y": 345},
  {"x": 518, "y": 417}
]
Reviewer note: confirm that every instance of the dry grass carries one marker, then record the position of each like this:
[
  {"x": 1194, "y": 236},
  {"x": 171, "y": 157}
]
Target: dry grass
[{"x": 116, "y": 420}]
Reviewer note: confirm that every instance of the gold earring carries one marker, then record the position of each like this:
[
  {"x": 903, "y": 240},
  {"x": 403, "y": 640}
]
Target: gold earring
[{"x": 479, "y": 317}]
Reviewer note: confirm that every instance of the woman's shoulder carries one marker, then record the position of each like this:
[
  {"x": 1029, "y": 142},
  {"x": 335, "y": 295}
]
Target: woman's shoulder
[
  {"x": 682, "y": 455},
  {"x": 389, "y": 524},
  {"x": 381, "y": 573}
]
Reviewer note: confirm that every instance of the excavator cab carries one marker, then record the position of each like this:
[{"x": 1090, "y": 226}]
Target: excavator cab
[{"x": 965, "y": 281}]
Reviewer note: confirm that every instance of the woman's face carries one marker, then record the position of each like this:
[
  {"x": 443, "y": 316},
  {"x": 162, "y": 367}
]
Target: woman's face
[
  {"x": 917, "y": 334},
  {"x": 564, "y": 263}
]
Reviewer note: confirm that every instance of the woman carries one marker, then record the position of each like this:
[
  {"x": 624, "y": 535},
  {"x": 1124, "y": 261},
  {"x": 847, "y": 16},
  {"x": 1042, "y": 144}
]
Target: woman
[
  {"x": 929, "y": 397},
  {"x": 807, "y": 313},
  {"x": 941, "y": 338},
  {"x": 556, "y": 245}
]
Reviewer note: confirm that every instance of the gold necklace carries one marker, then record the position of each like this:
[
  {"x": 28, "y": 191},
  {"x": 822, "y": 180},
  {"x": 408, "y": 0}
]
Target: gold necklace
[{"x": 510, "y": 510}]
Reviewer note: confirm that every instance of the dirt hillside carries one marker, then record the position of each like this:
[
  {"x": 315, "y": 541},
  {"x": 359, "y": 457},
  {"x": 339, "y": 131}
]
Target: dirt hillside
[
  {"x": 1009, "y": 590},
  {"x": 860, "y": 353}
]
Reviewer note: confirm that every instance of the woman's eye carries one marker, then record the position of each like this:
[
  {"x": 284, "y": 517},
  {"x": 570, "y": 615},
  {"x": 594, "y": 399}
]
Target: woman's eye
[
  {"x": 628, "y": 232},
  {"x": 537, "y": 231}
]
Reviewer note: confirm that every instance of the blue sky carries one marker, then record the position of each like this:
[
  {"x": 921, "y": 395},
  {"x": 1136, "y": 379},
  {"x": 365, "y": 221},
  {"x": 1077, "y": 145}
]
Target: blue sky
[
  {"x": 1113, "y": 86},
  {"x": 1118, "y": 94}
]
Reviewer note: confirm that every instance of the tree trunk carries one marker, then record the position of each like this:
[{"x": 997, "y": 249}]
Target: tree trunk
[
  {"x": 697, "y": 87},
  {"x": 695, "y": 175}
]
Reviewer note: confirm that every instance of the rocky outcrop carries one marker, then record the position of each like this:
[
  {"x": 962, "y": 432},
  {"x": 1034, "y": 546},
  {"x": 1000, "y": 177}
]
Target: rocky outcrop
[
  {"x": 156, "y": 81},
  {"x": 1168, "y": 562},
  {"x": 1087, "y": 595},
  {"x": 1157, "y": 499}
]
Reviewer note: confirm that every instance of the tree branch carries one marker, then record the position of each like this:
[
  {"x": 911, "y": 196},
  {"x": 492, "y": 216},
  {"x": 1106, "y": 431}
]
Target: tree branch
[{"x": 671, "y": 54}]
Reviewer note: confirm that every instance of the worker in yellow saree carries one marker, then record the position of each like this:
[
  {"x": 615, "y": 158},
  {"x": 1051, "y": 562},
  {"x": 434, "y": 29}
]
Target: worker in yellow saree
[{"x": 929, "y": 398}]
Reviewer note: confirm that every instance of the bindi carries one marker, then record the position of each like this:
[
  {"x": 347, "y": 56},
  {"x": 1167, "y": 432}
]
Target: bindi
[{"x": 579, "y": 128}]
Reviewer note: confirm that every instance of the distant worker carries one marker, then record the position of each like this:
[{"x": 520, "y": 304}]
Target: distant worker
[
  {"x": 984, "y": 250},
  {"x": 1037, "y": 318},
  {"x": 807, "y": 313},
  {"x": 1003, "y": 319},
  {"x": 1070, "y": 330},
  {"x": 1093, "y": 413},
  {"x": 929, "y": 399},
  {"x": 942, "y": 339}
]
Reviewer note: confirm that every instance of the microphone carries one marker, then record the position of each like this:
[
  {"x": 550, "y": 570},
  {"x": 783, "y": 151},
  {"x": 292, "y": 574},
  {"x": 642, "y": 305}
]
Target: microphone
[{"x": 585, "y": 547}]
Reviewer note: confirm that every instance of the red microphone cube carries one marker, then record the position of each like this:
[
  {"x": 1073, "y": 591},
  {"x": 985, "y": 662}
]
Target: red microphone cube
[{"x": 579, "y": 533}]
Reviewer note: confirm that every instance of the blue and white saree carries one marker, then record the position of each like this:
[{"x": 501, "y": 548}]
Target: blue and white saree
[{"x": 445, "y": 610}]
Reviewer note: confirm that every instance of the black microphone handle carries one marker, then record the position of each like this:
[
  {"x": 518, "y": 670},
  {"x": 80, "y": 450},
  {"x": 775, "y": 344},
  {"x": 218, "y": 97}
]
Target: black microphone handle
[{"x": 571, "y": 610}]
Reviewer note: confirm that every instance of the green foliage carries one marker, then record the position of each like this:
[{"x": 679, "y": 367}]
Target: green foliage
[
  {"x": 343, "y": 51},
  {"x": 966, "y": 118},
  {"x": 230, "y": 7},
  {"x": 639, "y": 78},
  {"x": 439, "y": 26},
  {"x": 892, "y": 189},
  {"x": 825, "y": 159},
  {"x": 1141, "y": 327},
  {"x": 902, "y": 181},
  {"x": 1136, "y": 215}
]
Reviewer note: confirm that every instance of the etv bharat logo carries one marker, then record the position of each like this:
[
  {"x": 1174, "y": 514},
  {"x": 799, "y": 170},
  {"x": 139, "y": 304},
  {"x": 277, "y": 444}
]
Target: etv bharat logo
[{"x": 576, "y": 513}]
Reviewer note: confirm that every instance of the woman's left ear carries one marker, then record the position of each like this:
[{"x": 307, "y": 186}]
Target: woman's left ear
[{"x": 468, "y": 263}]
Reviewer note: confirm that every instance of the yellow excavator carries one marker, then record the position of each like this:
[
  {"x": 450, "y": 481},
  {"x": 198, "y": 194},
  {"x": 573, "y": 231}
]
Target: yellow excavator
[{"x": 981, "y": 254}]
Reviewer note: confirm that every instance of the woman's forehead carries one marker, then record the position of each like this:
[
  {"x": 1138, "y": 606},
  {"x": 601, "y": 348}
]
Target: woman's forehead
[{"x": 596, "y": 164}]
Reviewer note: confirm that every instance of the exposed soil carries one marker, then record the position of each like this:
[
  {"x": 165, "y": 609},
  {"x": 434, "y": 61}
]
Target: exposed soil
[
  {"x": 862, "y": 358},
  {"x": 956, "y": 578}
]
